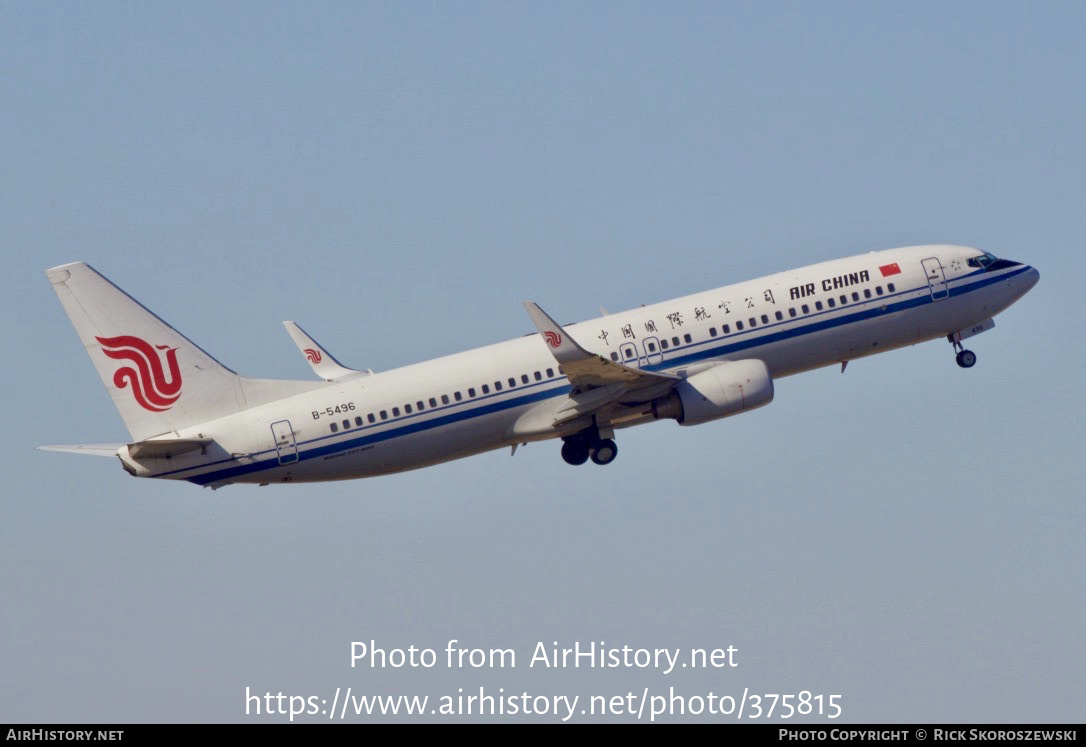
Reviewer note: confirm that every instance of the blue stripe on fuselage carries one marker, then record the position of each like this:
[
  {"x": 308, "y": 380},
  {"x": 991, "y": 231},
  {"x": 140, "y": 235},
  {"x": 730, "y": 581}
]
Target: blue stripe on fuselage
[{"x": 724, "y": 346}]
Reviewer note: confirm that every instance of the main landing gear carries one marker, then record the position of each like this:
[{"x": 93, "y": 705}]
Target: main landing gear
[
  {"x": 588, "y": 444},
  {"x": 965, "y": 358}
]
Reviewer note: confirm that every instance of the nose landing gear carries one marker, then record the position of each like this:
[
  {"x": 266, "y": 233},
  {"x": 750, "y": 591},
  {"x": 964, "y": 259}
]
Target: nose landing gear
[{"x": 965, "y": 358}]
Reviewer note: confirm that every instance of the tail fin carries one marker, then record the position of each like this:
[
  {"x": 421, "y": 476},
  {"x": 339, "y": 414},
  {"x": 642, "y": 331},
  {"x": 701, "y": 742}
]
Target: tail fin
[{"x": 159, "y": 380}]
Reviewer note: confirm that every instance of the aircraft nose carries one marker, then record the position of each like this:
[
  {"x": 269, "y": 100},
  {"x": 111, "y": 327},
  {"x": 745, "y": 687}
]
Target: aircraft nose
[{"x": 1029, "y": 278}]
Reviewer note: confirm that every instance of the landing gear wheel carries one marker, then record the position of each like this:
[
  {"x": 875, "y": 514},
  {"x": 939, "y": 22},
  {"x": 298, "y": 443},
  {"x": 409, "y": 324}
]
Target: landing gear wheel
[
  {"x": 574, "y": 452},
  {"x": 966, "y": 358},
  {"x": 604, "y": 452}
]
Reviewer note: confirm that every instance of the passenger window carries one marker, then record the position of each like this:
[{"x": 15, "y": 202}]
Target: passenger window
[
  {"x": 346, "y": 425},
  {"x": 818, "y": 305},
  {"x": 444, "y": 399},
  {"x": 512, "y": 383},
  {"x": 727, "y": 329},
  {"x": 765, "y": 319},
  {"x": 712, "y": 331},
  {"x": 538, "y": 376},
  {"x": 524, "y": 378},
  {"x": 407, "y": 409},
  {"x": 395, "y": 412},
  {"x": 890, "y": 287},
  {"x": 384, "y": 414},
  {"x": 753, "y": 322},
  {"x": 855, "y": 296},
  {"x": 458, "y": 396},
  {"x": 358, "y": 420},
  {"x": 844, "y": 300},
  {"x": 652, "y": 347},
  {"x": 471, "y": 391},
  {"x": 371, "y": 418},
  {"x": 486, "y": 389},
  {"x": 497, "y": 386},
  {"x": 688, "y": 338},
  {"x": 420, "y": 406},
  {"x": 550, "y": 373},
  {"x": 738, "y": 326},
  {"x": 806, "y": 309},
  {"x": 867, "y": 293},
  {"x": 878, "y": 290},
  {"x": 663, "y": 344},
  {"x": 675, "y": 341},
  {"x": 792, "y": 313},
  {"x": 334, "y": 427},
  {"x": 614, "y": 356},
  {"x": 831, "y": 302},
  {"x": 779, "y": 316}
]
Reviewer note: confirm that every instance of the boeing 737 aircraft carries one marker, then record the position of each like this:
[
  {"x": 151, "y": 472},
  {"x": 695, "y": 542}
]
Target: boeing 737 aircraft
[{"x": 692, "y": 359}]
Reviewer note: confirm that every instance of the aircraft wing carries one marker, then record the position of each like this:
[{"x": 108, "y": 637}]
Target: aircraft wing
[
  {"x": 319, "y": 359},
  {"x": 597, "y": 382}
]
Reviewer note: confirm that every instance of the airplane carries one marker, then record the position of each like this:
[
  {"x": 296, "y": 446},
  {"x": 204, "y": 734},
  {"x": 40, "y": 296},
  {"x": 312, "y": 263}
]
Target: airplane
[{"x": 693, "y": 359}]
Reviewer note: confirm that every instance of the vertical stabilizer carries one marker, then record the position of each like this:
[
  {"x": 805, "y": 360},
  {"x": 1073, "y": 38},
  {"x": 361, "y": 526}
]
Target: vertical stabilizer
[{"x": 159, "y": 380}]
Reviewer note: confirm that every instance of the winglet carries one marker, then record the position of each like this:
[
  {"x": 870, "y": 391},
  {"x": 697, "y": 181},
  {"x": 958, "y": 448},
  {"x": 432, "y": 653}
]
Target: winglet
[
  {"x": 321, "y": 361},
  {"x": 564, "y": 348}
]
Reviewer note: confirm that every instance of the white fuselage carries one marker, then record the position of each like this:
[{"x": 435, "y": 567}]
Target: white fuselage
[{"x": 505, "y": 394}]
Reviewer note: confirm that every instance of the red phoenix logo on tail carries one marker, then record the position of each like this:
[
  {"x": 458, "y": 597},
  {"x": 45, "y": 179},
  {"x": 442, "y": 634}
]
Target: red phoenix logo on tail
[
  {"x": 313, "y": 356},
  {"x": 147, "y": 377},
  {"x": 553, "y": 338}
]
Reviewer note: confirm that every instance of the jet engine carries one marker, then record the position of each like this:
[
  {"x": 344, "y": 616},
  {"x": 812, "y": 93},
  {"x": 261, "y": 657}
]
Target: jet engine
[{"x": 724, "y": 389}]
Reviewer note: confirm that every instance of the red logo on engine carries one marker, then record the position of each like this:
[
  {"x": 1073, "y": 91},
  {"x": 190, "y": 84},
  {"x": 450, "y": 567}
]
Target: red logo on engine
[
  {"x": 553, "y": 338},
  {"x": 147, "y": 376},
  {"x": 313, "y": 356}
]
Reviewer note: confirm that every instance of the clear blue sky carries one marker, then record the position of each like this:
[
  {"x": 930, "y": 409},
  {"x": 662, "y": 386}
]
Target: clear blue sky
[{"x": 398, "y": 177}]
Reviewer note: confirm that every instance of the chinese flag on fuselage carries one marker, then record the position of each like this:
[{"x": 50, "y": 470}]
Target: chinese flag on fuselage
[{"x": 888, "y": 270}]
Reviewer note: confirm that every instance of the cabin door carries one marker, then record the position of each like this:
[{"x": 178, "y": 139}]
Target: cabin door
[
  {"x": 936, "y": 279},
  {"x": 284, "y": 441}
]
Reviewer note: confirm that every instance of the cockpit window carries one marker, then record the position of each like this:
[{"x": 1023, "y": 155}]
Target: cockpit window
[
  {"x": 983, "y": 261},
  {"x": 990, "y": 262}
]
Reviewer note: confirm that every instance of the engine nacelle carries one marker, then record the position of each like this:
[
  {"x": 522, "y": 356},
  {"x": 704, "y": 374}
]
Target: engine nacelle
[{"x": 725, "y": 389}]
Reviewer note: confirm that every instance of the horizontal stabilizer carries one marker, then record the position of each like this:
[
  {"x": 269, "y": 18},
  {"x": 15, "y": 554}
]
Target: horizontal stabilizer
[
  {"x": 165, "y": 448},
  {"x": 107, "y": 450},
  {"x": 319, "y": 359}
]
